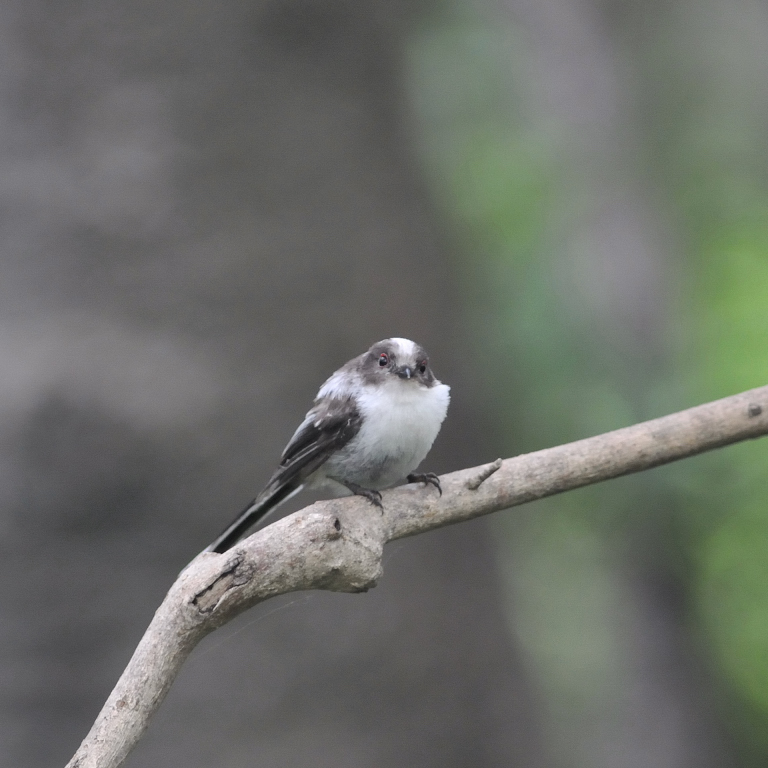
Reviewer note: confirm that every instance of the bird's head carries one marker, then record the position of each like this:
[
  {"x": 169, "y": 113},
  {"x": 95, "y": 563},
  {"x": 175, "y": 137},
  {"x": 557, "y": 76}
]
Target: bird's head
[{"x": 398, "y": 358}]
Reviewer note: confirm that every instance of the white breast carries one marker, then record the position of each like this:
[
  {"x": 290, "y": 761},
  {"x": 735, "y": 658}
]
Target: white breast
[{"x": 400, "y": 421}]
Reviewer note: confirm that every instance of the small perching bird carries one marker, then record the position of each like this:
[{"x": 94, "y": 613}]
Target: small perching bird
[{"x": 371, "y": 425}]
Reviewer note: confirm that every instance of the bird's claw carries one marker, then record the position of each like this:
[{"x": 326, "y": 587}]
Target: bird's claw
[
  {"x": 373, "y": 496},
  {"x": 428, "y": 478}
]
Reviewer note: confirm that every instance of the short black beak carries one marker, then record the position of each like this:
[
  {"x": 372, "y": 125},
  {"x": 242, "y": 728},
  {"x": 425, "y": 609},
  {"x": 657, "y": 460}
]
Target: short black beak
[{"x": 404, "y": 372}]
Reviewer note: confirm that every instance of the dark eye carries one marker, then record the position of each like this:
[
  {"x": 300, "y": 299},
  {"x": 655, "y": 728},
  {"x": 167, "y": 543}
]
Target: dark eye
[
  {"x": 422, "y": 368},
  {"x": 383, "y": 359}
]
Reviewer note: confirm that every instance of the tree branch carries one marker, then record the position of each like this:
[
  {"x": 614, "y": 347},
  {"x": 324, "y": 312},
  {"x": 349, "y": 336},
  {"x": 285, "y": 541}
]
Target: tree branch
[{"x": 337, "y": 545}]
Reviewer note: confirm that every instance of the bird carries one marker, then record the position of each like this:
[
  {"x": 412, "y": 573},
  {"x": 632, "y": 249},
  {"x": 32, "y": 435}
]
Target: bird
[{"x": 371, "y": 425}]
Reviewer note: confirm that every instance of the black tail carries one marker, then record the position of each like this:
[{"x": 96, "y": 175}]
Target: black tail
[{"x": 257, "y": 510}]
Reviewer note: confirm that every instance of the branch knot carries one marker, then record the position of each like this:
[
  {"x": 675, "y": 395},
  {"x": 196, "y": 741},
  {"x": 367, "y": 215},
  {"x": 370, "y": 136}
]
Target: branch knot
[{"x": 485, "y": 472}]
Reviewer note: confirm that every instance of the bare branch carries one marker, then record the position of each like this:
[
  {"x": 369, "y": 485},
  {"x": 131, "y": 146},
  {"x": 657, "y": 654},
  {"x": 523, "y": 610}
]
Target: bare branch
[
  {"x": 485, "y": 472},
  {"x": 337, "y": 545}
]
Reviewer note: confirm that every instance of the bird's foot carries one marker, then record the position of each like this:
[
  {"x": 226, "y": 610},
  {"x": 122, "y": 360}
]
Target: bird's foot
[
  {"x": 373, "y": 496},
  {"x": 428, "y": 478}
]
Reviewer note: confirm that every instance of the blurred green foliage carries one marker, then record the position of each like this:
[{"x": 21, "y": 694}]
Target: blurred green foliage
[
  {"x": 504, "y": 174},
  {"x": 728, "y": 310}
]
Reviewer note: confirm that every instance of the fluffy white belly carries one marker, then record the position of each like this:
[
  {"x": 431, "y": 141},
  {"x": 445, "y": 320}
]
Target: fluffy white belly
[{"x": 400, "y": 421}]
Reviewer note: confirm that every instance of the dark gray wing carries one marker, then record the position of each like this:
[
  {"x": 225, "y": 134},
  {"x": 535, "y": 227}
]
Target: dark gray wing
[{"x": 330, "y": 425}]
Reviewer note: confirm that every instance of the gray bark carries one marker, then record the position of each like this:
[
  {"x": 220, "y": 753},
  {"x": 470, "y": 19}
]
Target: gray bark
[{"x": 338, "y": 545}]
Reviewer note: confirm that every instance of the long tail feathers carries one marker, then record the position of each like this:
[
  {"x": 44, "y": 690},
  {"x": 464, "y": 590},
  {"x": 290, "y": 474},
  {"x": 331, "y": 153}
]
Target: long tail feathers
[{"x": 260, "y": 508}]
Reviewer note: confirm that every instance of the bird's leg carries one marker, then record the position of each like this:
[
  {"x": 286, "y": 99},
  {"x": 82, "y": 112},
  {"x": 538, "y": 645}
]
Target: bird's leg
[
  {"x": 373, "y": 496},
  {"x": 428, "y": 478}
]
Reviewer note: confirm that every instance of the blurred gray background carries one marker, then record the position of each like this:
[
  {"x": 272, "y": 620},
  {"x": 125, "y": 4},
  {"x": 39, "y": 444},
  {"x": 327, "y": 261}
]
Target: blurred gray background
[{"x": 207, "y": 207}]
